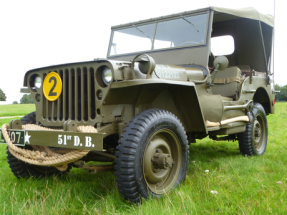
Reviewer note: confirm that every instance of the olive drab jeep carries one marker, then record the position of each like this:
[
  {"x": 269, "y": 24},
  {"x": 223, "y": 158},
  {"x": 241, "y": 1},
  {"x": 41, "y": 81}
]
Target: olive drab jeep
[{"x": 160, "y": 88}]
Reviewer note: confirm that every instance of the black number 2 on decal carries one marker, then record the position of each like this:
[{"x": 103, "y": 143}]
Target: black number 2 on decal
[{"x": 51, "y": 93}]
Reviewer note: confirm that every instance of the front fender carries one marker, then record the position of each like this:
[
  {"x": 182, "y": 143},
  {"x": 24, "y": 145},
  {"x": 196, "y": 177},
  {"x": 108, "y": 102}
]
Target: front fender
[{"x": 179, "y": 98}]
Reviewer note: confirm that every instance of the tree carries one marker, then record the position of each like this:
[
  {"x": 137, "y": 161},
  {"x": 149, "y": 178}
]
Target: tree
[
  {"x": 26, "y": 99},
  {"x": 282, "y": 96},
  {"x": 15, "y": 102},
  {"x": 2, "y": 96}
]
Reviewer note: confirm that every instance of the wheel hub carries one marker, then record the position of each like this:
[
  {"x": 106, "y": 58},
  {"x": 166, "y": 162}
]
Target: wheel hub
[
  {"x": 162, "y": 161},
  {"x": 257, "y": 131},
  {"x": 154, "y": 160}
]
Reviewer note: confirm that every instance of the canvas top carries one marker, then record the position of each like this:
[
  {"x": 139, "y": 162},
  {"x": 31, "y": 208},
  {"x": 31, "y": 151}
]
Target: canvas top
[{"x": 249, "y": 13}]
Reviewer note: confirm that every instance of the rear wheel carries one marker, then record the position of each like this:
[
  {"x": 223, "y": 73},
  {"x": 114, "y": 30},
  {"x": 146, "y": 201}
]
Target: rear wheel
[
  {"x": 152, "y": 155},
  {"x": 24, "y": 170},
  {"x": 254, "y": 140}
]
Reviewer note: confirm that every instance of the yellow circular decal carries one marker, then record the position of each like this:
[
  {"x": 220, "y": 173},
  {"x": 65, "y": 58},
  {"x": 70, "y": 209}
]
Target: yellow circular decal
[{"x": 52, "y": 86}]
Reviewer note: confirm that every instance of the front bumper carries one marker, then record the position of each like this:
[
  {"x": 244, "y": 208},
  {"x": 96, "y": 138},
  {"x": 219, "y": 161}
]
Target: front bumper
[{"x": 61, "y": 139}]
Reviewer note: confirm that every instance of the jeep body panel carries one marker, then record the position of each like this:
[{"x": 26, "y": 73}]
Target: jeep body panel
[{"x": 180, "y": 82}]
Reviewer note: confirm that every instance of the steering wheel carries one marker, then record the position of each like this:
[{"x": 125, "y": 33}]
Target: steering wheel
[
  {"x": 212, "y": 55},
  {"x": 213, "y": 58},
  {"x": 188, "y": 43}
]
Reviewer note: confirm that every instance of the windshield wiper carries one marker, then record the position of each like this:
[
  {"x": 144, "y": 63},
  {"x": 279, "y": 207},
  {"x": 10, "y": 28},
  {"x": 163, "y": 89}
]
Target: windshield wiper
[
  {"x": 115, "y": 48},
  {"x": 189, "y": 22},
  {"x": 142, "y": 32}
]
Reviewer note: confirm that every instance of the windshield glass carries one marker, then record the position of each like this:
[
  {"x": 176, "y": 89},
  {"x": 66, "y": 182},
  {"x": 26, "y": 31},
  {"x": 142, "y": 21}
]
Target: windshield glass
[
  {"x": 183, "y": 31},
  {"x": 137, "y": 38}
]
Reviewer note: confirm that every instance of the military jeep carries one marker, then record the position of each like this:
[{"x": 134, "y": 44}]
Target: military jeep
[{"x": 160, "y": 88}]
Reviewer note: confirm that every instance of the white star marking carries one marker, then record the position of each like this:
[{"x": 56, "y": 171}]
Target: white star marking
[{"x": 27, "y": 137}]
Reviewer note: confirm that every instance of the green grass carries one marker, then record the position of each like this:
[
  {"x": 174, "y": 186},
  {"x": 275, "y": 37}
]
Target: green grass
[
  {"x": 245, "y": 185},
  {"x": 16, "y": 110}
]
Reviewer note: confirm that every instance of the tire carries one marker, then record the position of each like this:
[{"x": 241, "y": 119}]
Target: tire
[
  {"x": 29, "y": 118},
  {"x": 254, "y": 140},
  {"x": 24, "y": 170},
  {"x": 149, "y": 138}
]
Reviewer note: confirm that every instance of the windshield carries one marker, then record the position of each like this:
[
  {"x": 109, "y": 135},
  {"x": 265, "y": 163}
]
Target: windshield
[{"x": 183, "y": 31}]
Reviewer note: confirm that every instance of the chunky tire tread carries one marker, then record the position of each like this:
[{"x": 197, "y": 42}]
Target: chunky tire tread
[
  {"x": 29, "y": 118},
  {"x": 24, "y": 170},
  {"x": 128, "y": 183},
  {"x": 245, "y": 138}
]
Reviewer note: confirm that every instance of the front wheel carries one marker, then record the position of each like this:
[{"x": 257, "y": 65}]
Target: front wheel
[
  {"x": 152, "y": 155},
  {"x": 24, "y": 170},
  {"x": 254, "y": 140}
]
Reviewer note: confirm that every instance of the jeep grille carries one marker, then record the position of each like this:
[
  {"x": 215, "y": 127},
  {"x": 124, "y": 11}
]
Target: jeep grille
[{"x": 77, "y": 100}]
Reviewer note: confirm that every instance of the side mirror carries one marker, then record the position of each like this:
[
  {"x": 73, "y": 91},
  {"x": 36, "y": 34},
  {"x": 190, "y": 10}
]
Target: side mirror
[
  {"x": 146, "y": 64},
  {"x": 220, "y": 63}
]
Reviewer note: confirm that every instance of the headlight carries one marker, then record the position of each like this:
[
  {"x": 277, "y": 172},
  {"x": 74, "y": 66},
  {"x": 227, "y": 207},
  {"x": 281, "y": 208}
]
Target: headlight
[
  {"x": 107, "y": 75},
  {"x": 37, "y": 83}
]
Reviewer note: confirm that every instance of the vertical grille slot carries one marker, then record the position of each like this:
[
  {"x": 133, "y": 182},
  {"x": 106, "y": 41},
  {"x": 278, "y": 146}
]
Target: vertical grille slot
[
  {"x": 53, "y": 111},
  {"x": 82, "y": 94},
  {"x": 59, "y": 103},
  {"x": 92, "y": 94},
  {"x": 89, "y": 92},
  {"x": 76, "y": 90},
  {"x": 70, "y": 93},
  {"x": 44, "y": 101},
  {"x": 67, "y": 101},
  {"x": 47, "y": 109},
  {"x": 86, "y": 97},
  {"x": 60, "y": 106},
  {"x": 79, "y": 94},
  {"x": 64, "y": 95}
]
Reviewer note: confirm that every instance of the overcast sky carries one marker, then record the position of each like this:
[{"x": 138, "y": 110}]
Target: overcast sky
[{"x": 42, "y": 33}]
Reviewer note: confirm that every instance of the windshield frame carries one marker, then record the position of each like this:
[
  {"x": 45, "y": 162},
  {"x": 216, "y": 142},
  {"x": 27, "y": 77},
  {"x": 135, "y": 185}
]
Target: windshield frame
[{"x": 156, "y": 21}]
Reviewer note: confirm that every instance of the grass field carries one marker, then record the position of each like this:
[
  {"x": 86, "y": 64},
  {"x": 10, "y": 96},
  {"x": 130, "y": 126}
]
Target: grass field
[
  {"x": 16, "y": 110},
  {"x": 245, "y": 185}
]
